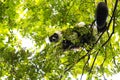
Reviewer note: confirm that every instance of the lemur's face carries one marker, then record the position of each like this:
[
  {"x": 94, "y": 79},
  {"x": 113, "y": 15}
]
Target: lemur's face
[{"x": 54, "y": 37}]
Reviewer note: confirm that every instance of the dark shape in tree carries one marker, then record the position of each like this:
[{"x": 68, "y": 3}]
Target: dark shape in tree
[
  {"x": 54, "y": 37},
  {"x": 101, "y": 16},
  {"x": 86, "y": 38},
  {"x": 67, "y": 44}
]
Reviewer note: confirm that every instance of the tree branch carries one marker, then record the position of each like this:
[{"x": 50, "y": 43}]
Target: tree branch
[
  {"x": 93, "y": 62},
  {"x": 85, "y": 66}
]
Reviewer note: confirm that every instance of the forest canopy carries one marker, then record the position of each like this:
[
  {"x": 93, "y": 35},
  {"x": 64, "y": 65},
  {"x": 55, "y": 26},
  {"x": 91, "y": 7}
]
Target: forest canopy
[{"x": 26, "y": 27}]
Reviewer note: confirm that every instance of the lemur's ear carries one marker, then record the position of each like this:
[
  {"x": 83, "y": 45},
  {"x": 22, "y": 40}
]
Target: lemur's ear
[{"x": 101, "y": 16}]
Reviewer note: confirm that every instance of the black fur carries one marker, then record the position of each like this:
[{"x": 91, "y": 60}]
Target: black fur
[
  {"x": 101, "y": 16},
  {"x": 67, "y": 44},
  {"x": 54, "y": 37}
]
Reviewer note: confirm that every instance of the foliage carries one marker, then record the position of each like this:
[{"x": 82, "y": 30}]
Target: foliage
[{"x": 36, "y": 20}]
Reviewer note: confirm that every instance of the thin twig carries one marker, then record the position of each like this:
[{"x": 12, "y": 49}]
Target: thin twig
[
  {"x": 85, "y": 66},
  {"x": 104, "y": 60},
  {"x": 93, "y": 62},
  {"x": 106, "y": 2},
  {"x": 113, "y": 32},
  {"x": 103, "y": 64},
  {"x": 116, "y": 3}
]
